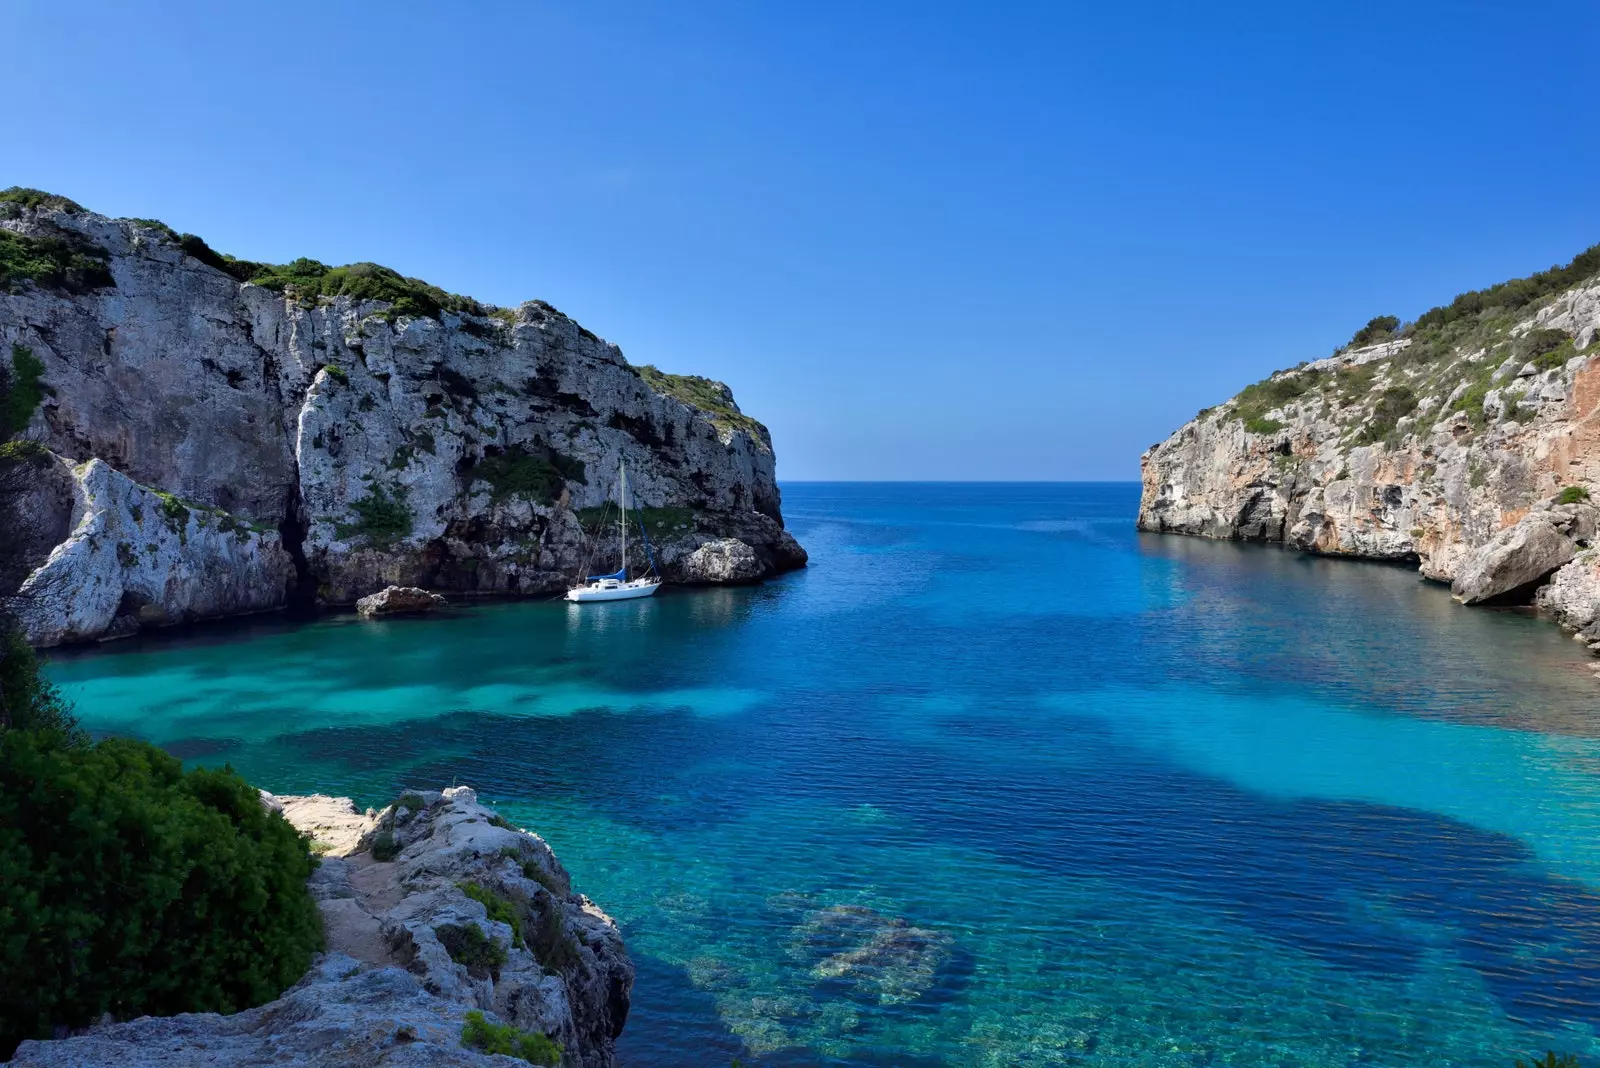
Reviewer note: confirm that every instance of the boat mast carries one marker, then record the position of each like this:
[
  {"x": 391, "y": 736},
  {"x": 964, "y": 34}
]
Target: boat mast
[{"x": 622, "y": 477}]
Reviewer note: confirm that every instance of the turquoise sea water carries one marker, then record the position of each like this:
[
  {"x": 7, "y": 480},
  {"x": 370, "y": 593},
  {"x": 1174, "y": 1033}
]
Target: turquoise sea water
[{"x": 997, "y": 781}]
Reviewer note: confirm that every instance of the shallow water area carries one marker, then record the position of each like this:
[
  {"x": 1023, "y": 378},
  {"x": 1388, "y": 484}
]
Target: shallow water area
[{"x": 996, "y": 781}]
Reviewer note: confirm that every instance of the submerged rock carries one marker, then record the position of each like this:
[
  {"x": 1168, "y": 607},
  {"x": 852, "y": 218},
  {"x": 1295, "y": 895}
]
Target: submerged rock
[
  {"x": 884, "y": 958},
  {"x": 388, "y": 991},
  {"x": 398, "y": 601}
]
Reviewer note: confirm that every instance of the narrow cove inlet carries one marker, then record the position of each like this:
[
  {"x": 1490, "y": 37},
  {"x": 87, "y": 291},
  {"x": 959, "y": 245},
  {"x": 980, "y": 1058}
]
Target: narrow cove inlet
[{"x": 997, "y": 780}]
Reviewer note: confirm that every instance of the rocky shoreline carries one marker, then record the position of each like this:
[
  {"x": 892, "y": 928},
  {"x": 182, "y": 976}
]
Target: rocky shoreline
[
  {"x": 1470, "y": 449},
  {"x": 213, "y": 437},
  {"x": 401, "y": 893}
]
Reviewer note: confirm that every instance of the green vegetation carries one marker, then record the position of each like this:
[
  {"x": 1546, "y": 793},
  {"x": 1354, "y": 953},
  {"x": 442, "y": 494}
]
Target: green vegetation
[
  {"x": 62, "y": 264},
  {"x": 22, "y": 393},
  {"x": 412, "y": 800},
  {"x": 518, "y": 472},
  {"x": 658, "y": 522},
  {"x": 710, "y": 398},
  {"x": 1552, "y": 1060},
  {"x": 469, "y": 946},
  {"x": 1512, "y": 296},
  {"x": 1256, "y": 400},
  {"x": 531, "y": 870},
  {"x": 37, "y": 198},
  {"x": 310, "y": 280},
  {"x": 135, "y": 888},
  {"x": 337, "y": 372},
  {"x": 1546, "y": 349},
  {"x": 549, "y": 940},
  {"x": 384, "y": 847},
  {"x": 1379, "y": 329},
  {"x": 382, "y": 516},
  {"x": 1573, "y": 495},
  {"x": 501, "y": 909},
  {"x": 479, "y": 1034},
  {"x": 1392, "y": 405},
  {"x": 16, "y": 452},
  {"x": 28, "y": 701}
]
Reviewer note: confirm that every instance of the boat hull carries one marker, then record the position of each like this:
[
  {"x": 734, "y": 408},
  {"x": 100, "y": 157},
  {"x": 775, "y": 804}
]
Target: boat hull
[{"x": 623, "y": 592}]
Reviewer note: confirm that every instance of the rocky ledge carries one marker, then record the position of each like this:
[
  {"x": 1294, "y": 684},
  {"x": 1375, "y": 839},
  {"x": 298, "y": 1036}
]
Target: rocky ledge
[
  {"x": 217, "y": 436},
  {"x": 467, "y": 915},
  {"x": 1467, "y": 443}
]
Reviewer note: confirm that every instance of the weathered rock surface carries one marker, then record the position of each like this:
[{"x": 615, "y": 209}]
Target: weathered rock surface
[
  {"x": 1432, "y": 449},
  {"x": 387, "y": 992},
  {"x": 135, "y": 557},
  {"x": 1515, "y": 559},
  {"x": 398, "y": 601},
  {"x": 451, "y": 453}
]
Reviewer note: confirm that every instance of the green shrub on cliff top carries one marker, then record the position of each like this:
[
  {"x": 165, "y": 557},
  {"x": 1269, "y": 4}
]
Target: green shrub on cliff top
[
  {"x": 479, "y": 1034},
  {"x": 24, "y": 197},
  {"x": 709, "y": 397},
  {"x": 1380, "y": 328},
  {"x": 132, "y": 888},
  {"x": 309, "y": 279},
  {"x": 63, "y": 264}
]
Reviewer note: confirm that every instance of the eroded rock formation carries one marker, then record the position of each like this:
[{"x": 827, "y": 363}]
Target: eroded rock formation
[
  {"x": 1468, "y": 444},
  {"x": 389, "y": 991},
  {"x": 269, "y": 440}
]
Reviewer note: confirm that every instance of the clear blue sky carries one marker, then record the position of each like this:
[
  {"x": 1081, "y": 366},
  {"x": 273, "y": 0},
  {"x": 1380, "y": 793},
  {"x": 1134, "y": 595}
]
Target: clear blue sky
[{"x": 920, "y": 240}]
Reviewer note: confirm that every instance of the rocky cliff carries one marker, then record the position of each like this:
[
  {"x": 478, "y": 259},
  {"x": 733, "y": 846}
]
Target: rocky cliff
[
  {"x": 233, "y": 435},
  {"x": 1467, "y": 442},
  {"x": 401, "y": 893}
]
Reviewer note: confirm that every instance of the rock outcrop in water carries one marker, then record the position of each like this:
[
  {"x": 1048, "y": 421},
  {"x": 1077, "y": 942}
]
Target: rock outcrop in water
[
  {"x": 233, "y": 435},
  {"x": 389, "y": 992},
  {"x": 1467, "y": 442}
]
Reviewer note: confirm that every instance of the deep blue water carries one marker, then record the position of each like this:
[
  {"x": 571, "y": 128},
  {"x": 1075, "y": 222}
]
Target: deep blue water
[{"x": 997, "y": 781}]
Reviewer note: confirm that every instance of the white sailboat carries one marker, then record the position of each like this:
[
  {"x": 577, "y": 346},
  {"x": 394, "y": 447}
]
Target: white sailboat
[{"x": 617, "y": 586}]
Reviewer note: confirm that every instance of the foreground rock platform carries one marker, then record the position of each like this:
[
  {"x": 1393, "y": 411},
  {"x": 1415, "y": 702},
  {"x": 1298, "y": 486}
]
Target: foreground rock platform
[{"x": 387, "y": 992}]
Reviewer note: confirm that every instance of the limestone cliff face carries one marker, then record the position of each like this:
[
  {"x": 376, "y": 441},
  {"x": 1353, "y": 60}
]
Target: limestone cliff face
[
  {"x": 355, "y": 445},
  {"x": 1470, "y": 448}
]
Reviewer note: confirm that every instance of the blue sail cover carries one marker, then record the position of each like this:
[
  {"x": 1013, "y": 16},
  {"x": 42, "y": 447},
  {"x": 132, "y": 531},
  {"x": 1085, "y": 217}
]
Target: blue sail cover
[{"x": 620, "y": 576}]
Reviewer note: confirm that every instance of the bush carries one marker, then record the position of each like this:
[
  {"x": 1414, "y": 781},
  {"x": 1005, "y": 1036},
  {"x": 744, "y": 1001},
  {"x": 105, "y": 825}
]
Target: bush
[
  {"x": 23, "y": 197},
  {"x": 310, "y": 280},
  {"x": 1392, "y": 405},
  {"x": 468, "y": 945},
  {"x": 518, "y": 472},
  {"x": 1551, "y": 1060},
  {"x": 22, "y": 391},
  {"x": 63, "y": 264},
  {"x": 711, "y": 398},
  {"x": 133, "y": 888},
  {"x": 28, "y": 701},
  {"x": 479, "y": 1034},
  {"x": 549, "y": 941},
  {"x": 1378, "y": 329},
  {"x": 1514, "y": 295},
  {"x": 380, "y": 518},
  {"x": 1573, "y": 495},
  {"x": 500, "y": 908},
  {"x": 384, "y": 846}
]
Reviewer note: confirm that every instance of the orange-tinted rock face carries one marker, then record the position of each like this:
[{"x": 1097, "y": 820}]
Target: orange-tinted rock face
[{"x": 1485, "y": 440}]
